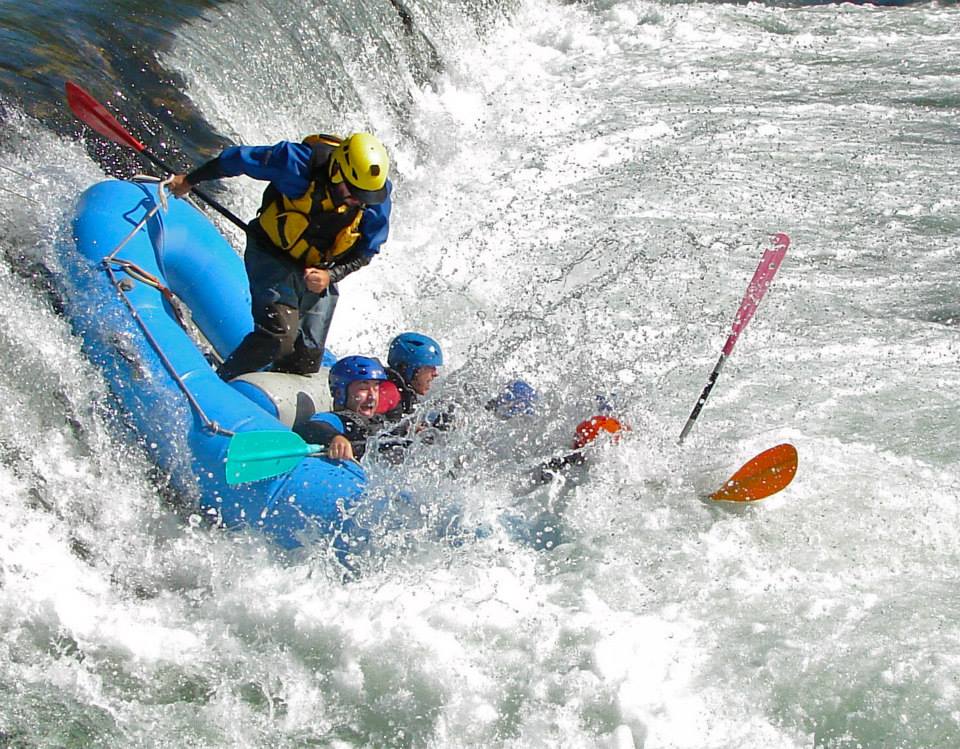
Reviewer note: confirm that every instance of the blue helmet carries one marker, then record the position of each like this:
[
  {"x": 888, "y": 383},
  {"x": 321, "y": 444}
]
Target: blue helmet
[
  {"x": 410, "y": 351},
  {"x": 353, "y": 369},
  {"x": 518, "y": 398}
]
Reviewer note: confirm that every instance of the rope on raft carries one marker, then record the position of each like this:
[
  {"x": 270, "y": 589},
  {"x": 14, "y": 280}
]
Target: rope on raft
[{"x": 112, "y": 264}]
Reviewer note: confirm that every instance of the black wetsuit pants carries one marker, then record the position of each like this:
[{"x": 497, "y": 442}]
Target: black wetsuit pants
[{"x": 290, "y": 321}]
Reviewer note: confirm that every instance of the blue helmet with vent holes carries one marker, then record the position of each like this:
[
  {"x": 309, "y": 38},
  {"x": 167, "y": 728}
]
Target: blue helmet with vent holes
[
  {"x": 518, "y": 398},
  {"x": 410, "y": 351},
  {"x": 353, "y": 369}
]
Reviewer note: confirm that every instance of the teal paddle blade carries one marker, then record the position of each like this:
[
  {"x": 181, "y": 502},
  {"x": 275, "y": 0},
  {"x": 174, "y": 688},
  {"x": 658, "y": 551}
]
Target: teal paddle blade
[{"x": 253, "y": 456}]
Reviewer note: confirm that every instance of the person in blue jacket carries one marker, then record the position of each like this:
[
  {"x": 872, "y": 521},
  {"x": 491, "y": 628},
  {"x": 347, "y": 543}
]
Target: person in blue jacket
[
  {"x": 325, "y": 214},
  {"x": 355, "y": 387}
]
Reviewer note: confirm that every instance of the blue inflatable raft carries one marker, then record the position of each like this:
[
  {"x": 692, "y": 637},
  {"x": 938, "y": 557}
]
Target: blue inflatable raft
[{"x": 134, "y": 269}]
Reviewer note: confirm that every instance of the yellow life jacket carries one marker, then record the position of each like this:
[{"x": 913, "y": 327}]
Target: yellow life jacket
[{"x": 311, "y": 228}]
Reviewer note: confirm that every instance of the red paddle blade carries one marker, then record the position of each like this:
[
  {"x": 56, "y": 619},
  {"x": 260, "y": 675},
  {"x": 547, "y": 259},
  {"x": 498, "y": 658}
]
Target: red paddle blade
[
  {"x": 762, "y": 278},
  {"x": 93, "y": 114},
  {"x": 766, "y": 474}
]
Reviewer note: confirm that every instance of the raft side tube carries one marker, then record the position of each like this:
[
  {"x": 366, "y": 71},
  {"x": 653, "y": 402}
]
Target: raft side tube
[{"x": 183, "y": 251}]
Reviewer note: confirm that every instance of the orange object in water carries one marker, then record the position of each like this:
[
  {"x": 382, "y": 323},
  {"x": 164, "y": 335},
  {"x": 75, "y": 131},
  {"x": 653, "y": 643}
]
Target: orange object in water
[
  {"x": 589, "y": 430},
  {"x": 766, "y": 474}
]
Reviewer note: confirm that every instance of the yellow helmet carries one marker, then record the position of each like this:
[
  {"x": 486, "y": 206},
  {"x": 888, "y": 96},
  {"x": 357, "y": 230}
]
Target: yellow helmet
[{"x": 361, "y": 161}]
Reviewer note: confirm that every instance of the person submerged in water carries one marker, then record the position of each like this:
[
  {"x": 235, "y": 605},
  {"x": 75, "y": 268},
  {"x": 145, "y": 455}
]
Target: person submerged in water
[
  {"x": 518, "y": 399},
  {"x": 536, "y": 517},
  {"x": 586, "y": 433}
]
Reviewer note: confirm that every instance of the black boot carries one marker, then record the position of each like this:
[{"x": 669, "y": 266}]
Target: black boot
[
  {"x": 272, "y": 337},
  {"x": 302, "y": 361}
]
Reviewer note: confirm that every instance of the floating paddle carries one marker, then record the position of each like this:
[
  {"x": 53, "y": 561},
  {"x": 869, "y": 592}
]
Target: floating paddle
[
  {"x": 252, "y": 456},
  {"x": 766, "y": 474},
  {"x": 93, "y": 114},
  {"x": 766, "y": 270}
]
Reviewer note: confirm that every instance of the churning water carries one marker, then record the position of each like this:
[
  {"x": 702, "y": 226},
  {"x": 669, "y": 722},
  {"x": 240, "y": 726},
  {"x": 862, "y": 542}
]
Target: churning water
[{"x": 582, "y": 194}]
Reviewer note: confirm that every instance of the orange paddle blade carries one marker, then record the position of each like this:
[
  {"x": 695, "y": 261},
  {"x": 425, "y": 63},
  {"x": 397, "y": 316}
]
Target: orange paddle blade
[{"x": 766, "y": 474}]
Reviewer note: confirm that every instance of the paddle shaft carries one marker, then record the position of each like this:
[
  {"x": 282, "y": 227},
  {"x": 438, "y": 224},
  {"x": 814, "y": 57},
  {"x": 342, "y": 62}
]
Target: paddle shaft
[
  {"x": 222, "y": 210},
  {"x": 711, "y": 381},
  {"x": 305, "y": 451},
  {"x": 96, "y": 116},
  {"x": 762, "y": 277}
]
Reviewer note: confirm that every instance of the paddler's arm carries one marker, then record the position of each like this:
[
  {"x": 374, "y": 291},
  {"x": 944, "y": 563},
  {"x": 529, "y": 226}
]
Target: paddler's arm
[
  {"x": 319, "y": 279},
  {"x": 286, "y": 165},
  {"x": 320, "y": 430},
  {"x": 338, "y": 272},
  {"x": 374, "y": 229},
  {"x": 546, "y": 471}
]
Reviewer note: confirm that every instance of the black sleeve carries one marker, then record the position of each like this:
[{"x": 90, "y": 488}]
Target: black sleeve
[
  {"x": 358, "y": 429},
  {"x": 204, "y": 172},
  {"x": 317, "y": 432},
  {"x": 546, "y": 471},
  {"x": 339, "y": 272},
  {"x": 444, "y": 419}
]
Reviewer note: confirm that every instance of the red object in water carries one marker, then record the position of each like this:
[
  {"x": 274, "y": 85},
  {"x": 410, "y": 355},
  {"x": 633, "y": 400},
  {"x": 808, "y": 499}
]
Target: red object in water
[
  {"x": 389, "y": 397},
  {"x": 589, "y": 430}
]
